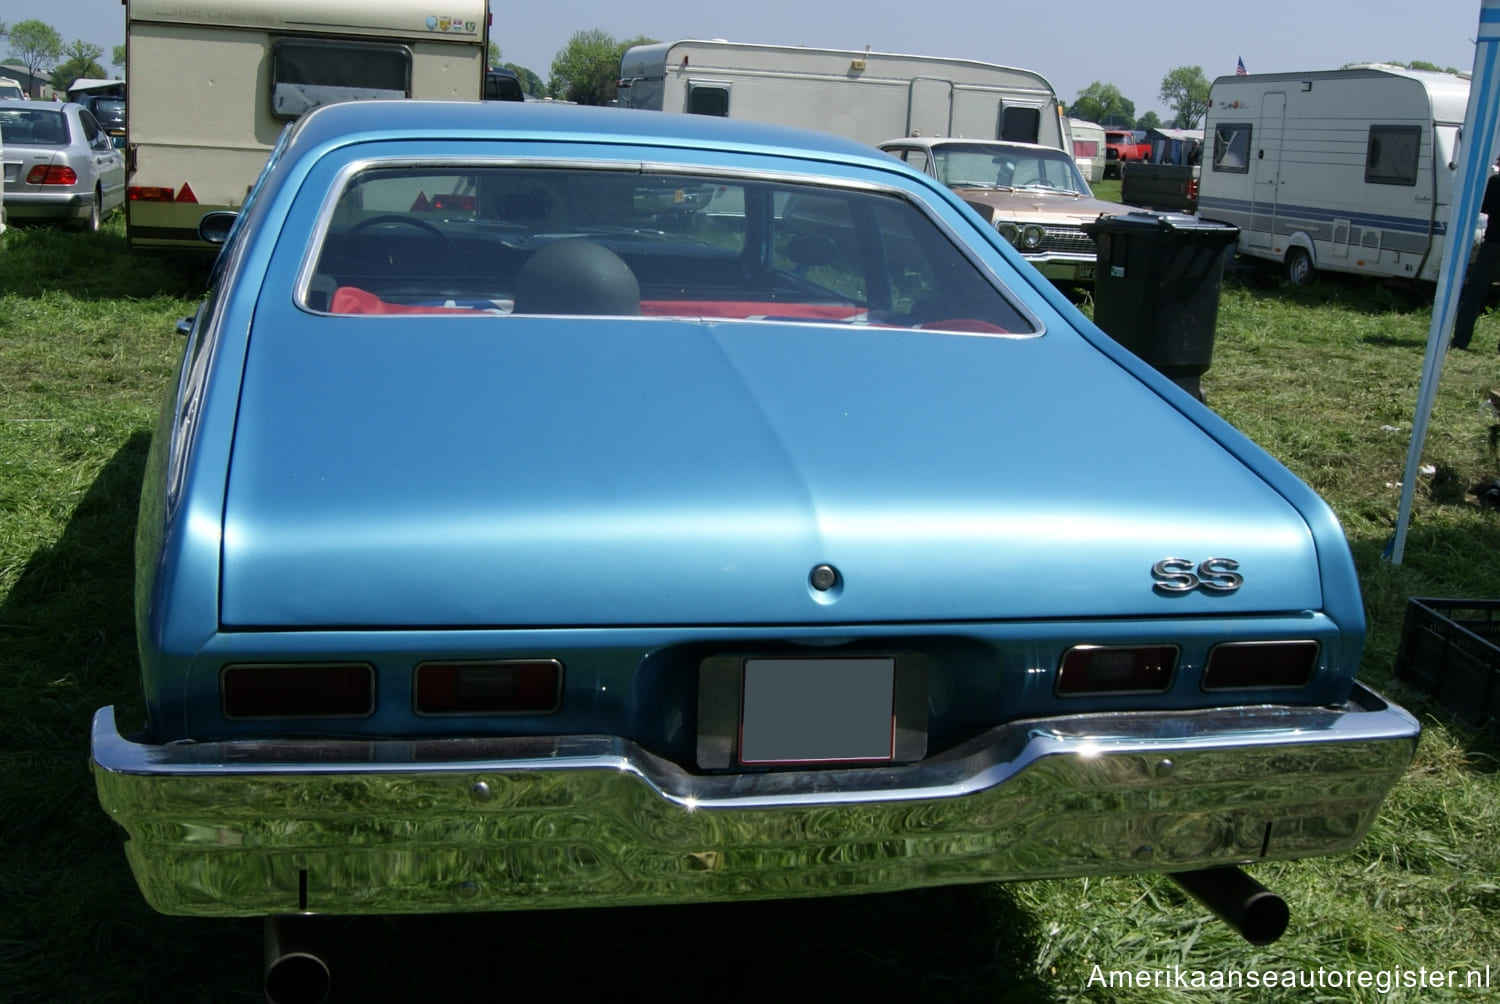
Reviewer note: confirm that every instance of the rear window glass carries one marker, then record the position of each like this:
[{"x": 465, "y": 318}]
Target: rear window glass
[
  {"x": 497, "y": 240},
  {"x": 108, "y": 108},
  {"x": 33, "y": 127}
]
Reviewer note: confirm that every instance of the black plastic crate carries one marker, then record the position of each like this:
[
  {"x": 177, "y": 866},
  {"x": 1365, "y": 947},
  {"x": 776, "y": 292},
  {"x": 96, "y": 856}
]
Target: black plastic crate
[{"x": 1451, "y": 650}]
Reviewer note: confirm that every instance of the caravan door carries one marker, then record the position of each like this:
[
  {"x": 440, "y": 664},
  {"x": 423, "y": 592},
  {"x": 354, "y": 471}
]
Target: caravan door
[
  {"x": 1265, "y": 170},
  {"x": 929, "y": 107}
]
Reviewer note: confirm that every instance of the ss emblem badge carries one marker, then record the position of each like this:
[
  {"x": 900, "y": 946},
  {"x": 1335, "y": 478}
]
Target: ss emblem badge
[{"x": 1177, "y": 575}]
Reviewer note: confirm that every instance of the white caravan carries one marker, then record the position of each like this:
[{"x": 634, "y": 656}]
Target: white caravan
[
  {"x": 212, "y": 87},
  {"x": 866, "y": 96},
  {"x": 1088, "y": 148},
  {"x": 1342, "y": 170}
]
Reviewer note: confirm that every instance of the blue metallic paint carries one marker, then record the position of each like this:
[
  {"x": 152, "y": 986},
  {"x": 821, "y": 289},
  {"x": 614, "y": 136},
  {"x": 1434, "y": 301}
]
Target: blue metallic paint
[{"x": 659, "y": 491}]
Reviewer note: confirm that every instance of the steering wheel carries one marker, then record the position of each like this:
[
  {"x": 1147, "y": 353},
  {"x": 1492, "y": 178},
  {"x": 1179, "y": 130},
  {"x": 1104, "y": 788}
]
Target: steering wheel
[{"x": 395, "y": 219}]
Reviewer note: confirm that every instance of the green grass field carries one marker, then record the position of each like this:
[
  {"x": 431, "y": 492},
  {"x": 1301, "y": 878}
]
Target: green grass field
[{"x": 1324, "y": 377}]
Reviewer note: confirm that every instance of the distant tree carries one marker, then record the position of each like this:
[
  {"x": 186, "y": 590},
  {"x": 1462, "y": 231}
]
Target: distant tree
[
  {"x": 1418, "y": 64},
  {"x": 530, "y": 82},
  {"x": 117, "y": 57},
  {"x": 82, "y": 61},
  {"x": 494, "y": 55},
  {"x": 585, "y": 70},
  {"x": 1103, "y": 103},
  {"x": 36, "y": 43},
  {"x": 1150, "y": 120},
  {"x": 1185, "y": 91},
  {"x": 631, "y": 43}
]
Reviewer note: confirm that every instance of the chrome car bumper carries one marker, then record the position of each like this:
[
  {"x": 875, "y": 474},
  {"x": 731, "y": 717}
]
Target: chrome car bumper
[{"x": 247, "y": 828}]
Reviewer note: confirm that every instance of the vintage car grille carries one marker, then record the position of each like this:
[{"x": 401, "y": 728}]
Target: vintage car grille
[{"x": 1064, "y": 240}]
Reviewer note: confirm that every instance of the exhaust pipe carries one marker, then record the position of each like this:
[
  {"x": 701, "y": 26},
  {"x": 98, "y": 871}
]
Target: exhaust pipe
[
  {"x": 295, "y": 971},
  {"x": 1259, "y": 915}
]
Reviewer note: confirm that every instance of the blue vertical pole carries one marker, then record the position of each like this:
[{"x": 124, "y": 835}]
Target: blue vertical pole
[{"x": 1477, "y": 153}]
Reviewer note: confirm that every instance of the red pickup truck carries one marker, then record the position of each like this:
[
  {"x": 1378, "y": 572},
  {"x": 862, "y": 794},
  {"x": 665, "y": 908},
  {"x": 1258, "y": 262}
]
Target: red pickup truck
[{"x": 1121, "y": 145}]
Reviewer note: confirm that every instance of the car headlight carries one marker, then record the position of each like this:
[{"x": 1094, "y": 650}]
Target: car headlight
[
  {"x": 1009, "y": 231},
  {"x": 1032, "y": 236}
]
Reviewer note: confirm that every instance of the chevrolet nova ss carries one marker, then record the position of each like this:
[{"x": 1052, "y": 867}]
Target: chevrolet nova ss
[{"x": 566, "y": 507}]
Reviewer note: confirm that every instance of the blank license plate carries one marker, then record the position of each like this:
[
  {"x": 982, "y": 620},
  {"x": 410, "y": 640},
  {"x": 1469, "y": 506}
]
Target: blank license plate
[{"x": 817, "y": 710}]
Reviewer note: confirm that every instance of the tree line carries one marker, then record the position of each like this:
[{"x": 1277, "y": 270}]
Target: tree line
[
  {"x": 40, "y": 48},
  {"x": 1184, "y": 90}
]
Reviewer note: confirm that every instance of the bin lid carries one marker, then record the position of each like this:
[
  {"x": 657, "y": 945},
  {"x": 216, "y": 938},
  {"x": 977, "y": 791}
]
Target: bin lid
[{"x": 1140, "y": 220}]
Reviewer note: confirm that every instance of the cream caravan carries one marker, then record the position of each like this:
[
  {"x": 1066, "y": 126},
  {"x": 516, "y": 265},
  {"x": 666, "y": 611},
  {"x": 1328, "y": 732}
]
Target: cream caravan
[
  {"x": 1088, "y": 148},
  {"x": 212, "y": 87},
  {"x": 866, "y": 96},
  {"x": 1339, "y": 170}
]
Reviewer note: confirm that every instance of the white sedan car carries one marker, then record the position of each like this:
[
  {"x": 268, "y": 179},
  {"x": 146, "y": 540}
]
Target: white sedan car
[{"x": 60, "y": 165}]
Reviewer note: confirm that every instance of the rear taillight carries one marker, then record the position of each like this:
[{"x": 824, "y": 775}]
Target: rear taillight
[
  {"x": 298, "y": 690},
  {"x": 52, "y": 174},
  {"x": 1111, "y": 669},
  {"x": 525, "y": 686},
  {"x": 1257, "y": 665},
  {"x": 1192, "y": 188}
]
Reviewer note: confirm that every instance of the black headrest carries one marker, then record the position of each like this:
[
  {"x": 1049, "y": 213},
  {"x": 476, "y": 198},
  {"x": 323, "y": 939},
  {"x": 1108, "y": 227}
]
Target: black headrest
[{"x": 577, "y": 277}]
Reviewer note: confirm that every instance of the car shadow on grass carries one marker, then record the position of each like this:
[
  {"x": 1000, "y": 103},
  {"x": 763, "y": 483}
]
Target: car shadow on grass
[
  {"x": 961, "y": 943},
  {"x": 76, "y": 927},
  {"x": 82, "y": 265}
]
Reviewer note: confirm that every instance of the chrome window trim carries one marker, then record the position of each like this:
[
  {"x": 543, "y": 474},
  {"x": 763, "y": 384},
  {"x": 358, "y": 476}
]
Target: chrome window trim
[{"x": 314, "y": 249}]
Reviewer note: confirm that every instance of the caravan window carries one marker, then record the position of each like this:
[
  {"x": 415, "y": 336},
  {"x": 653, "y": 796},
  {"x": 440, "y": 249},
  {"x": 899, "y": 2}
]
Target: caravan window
[
  {"x": 308, "y": 72},
  {"x": 708, "y": 99},
  {"x": 1020, "y": 125},
  {"x": 1392, "y": 155},
  {"x": 1232, "y": 148}
]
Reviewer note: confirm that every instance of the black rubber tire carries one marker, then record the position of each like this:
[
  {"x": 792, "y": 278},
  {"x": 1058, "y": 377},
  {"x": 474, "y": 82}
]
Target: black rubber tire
[
  {"x": 95, "y": 218},
  {"x": 1299, "y": 267}
]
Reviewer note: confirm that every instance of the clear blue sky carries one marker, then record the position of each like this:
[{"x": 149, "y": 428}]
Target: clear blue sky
[{"x": 1128, "y": 43}]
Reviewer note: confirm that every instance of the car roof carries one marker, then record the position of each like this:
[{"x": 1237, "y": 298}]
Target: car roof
[
  {"x": 935, "y": 141},
  {"x": 42, "y": 106},
  {"x": 365, "y": 121}
]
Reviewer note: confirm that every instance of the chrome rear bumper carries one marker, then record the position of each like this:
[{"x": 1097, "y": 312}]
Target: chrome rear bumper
[{"x": 248, "y": 828}]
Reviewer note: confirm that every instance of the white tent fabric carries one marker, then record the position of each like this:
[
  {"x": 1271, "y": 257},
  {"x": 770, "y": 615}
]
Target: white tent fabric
[{"x": 1476, "y": 153}]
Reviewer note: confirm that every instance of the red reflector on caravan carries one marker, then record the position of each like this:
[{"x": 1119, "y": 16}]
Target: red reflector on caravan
[
  {"x": 1101, "y": 669},
  {"x": 186, "y": 194},
  {"x": 148, "y": 194},
  {"x": 531, "y": 686},
  {"x": 466, "y": 203}
]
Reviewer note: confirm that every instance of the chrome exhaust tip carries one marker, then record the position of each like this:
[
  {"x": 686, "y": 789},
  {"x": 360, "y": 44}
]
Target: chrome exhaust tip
[{"x": 295, "y": 971}]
